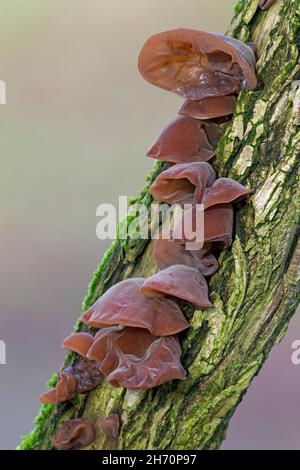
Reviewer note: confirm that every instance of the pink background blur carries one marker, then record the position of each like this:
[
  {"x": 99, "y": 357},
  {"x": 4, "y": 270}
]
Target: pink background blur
[{"x": 74, "y": 131}]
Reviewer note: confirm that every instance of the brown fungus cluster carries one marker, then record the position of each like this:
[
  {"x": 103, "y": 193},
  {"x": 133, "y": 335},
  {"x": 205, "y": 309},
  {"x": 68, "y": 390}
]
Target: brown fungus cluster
[{"x": 139, "y": 320}]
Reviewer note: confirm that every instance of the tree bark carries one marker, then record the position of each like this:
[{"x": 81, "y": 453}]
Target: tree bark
[{"x": 256, "y": 290}]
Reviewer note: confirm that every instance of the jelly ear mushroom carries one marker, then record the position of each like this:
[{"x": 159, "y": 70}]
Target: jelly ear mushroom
[
  {"x": 209, "y": 108},
  {"x": 167, "y": 253},
  {"x": 265, "y": 4},
  {"x": 65, "y": 389},
  {"x": 184, "y": 183},
  {"x": 224, "y": 191},
  {"x": 74, "y": 434},
  {"x": 196, "y": 64},
  {"x": 181, "y": 282},
  {"x": 135, "y": 359},
  {"x": 110, "y": 426},
  {"x": 124, "y": 304},
  {"x": 186, "y": 140},
  {"x": 218, "y": 226},
  {"x": 78, "y": 342}
]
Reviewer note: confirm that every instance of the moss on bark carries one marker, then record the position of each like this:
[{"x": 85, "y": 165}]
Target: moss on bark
[{"x": 256, "y": 290}]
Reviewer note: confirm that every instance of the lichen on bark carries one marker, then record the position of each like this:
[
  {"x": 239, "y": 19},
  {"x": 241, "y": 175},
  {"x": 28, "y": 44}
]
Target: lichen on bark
[{"x": 256, "y": 290}]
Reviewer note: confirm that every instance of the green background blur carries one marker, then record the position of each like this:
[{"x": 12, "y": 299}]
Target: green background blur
[{"x": 73, "y": 134}]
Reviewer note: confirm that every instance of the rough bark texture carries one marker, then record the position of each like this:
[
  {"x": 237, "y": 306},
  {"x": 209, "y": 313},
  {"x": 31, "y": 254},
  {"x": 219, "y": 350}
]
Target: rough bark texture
[{"x": 256, "y": 290}]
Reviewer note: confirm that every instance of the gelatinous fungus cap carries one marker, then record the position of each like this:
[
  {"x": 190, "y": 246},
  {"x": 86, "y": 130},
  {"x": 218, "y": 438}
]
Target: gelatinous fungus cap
[
  {"x": 78, "y": 342},
  {"x": 167, "y": 253},
  {"x": 74, "y": 434},
  {"x": 196, "y": 64},
  {"x": 184, "y": 183},
  {"x": 224, "y": 191},
  {"x": 186, "y": 140},
  {"x": 65, "y": 389},
  {"x": 124, "y": 304},
  {"x": 87, "y": 375},
  {"x": 135, "y": 359},
  {"x": 218, "y": 226},
  {"x": 110, "y": 426},
  {"x": 179, "y": 281},
  {"x": 264, "y": 4},
  {"x": 209, "y": 108}
]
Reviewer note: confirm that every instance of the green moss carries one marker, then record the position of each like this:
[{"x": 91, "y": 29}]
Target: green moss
[{"x": 32, "y": 440}]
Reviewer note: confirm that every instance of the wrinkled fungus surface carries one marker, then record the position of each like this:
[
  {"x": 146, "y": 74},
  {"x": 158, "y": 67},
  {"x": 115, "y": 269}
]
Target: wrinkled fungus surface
[
  {"x": 124, "y": 304},
  {"x": 218, "y": 226},
  {"x": 166, "y": 253},
  {"x": 224, "y": 191},
  {"x": 196, "y": 64},
  {"x": 110, "y": 426},
  {"x": 135, "y": 359},
  {"x": 74, "y": 434},
  {"x": 64, "y": 390},
  {"x": 186, "y": 140},
  {"x": 183, "y": 183},
  {"x": 209, "y": 108},
  {"x": 179, "y": 281}
]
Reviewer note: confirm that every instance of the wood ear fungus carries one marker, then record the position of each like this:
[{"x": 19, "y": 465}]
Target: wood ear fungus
[
  {"x": 181, "y": 282},
  {"x": 124, "y": 304},
  {"x": 64, "y": 390},
  {"x": 218, "y": 226},
  {"x": 110, "y": 426},
  {"x": 183, "y": 183},
  {"x": 224, "y": 191},
  {"x": 74, "y": 434},
  {"x": 78, "y": 342},
  {"x": 186, "y": 140},
  {"x": 197, "y": 65},
  {"x": 209, "y": 108},
  {"x": 135, "y": 359},
  {"x": 166, "y": 253}
]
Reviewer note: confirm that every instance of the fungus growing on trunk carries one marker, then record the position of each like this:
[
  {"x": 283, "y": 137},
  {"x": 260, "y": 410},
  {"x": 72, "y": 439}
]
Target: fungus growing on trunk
[
  {"x": 184, "y": 183},
  {"x": 209, "y": 108},
  {"x": 224, "y": 191},
  {"x": 181, "y": 282},
  {"x": 135, "y": 359},
  {"x": 74, "y": 434},
  {"x": 110, "y": 426},
  {"x": 196, "y": 64},
  {"x": 78, "y": 342},
  {"x": 218, "y": 226},
  {"x": 64, "y": 390},
  {"x": 167, "y": 253},
  {"x": 186, "y": 140},
  {"x": 124, "y": 304},
  {"x": 87, "y": 374}
]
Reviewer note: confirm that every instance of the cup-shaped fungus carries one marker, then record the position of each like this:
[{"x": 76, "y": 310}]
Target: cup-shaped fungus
[
  {"x": 186, "y": 140},
  {"x": 110, "y": 426},
  {"x": 166, "y": 253},
  {"x": 184, "y": 183},
  {"x": 218, "y": 226},
  {"x": 224, "y": 191},
  {"x": 135, "y": 359},
  {"x": 196, "y": 64},
  {"x": 265, "y": 4},
  {"x": 181, "y": 282},
  {"x": 209, "y": 108},
  {"x": 124, "y": 304},
  {"x": 74, "y": 434},
  {"x": 65, "y": 389},
  {"x": 78, "y": 342}
]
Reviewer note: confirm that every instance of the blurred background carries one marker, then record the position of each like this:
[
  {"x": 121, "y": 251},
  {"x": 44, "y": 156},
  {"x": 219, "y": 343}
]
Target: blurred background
[{"x": 73, "y": 134}]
